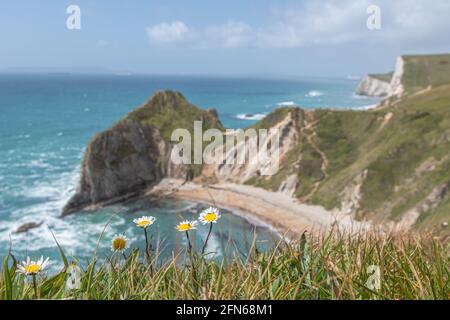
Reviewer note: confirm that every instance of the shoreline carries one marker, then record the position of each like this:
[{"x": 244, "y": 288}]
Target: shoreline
[{"x": 281, "y": 214}]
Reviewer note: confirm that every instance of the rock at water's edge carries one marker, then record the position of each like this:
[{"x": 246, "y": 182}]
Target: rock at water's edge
[
  {"x": 134, "y": 154},
  {"x": 122, "y": 160},
  {"x": 28, "y": 226}
]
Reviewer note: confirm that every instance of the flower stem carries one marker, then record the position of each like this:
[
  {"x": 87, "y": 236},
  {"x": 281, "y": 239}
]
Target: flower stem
[
  {"x": 191, "y": 260},
  {"x": 207, "y": 238},
  {"x": 147, "y": 250},
  {"x": 35, "y": 287},
  {"x": 189, "y": 242}
]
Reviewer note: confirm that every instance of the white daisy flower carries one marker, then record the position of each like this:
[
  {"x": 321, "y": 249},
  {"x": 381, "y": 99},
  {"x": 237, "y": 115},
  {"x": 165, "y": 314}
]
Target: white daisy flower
[
  {"x": 186, "y": 226},
  {"x": 144, "y": 222},
  {"x": 119, "y": 243},
  {"x": 31, "y": 268},
  {"x": 210, "y": 215}
]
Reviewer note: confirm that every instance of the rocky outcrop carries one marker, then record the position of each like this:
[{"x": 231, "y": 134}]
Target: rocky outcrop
[
  {"x": 431, "y": 202},
  {"x": 396, "y": 87},
  {"x": 133, "y": 155},
  {"x": 384, "y": 85},
  {"x": 28, "y": 226},
  {"x": 289, "y": 185},
  {"x": 373, "y": 87},
  {"x": 351, "y": 196},
  {"x": 118, "y": 162},
  {"x": 253, "y": 150}
]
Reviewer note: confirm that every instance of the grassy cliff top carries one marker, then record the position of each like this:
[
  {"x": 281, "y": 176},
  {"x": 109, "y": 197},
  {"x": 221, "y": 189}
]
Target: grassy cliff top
[
  {"x": 169, "y": 110},
  {"x": 386, "y": 77},
  {"x": 423, "y": 71},
  {"x": 313, "y": 267},
  {"x": 401, "y": 155}
]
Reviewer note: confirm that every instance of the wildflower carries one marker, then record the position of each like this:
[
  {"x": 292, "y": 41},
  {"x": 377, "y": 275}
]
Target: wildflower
[
  {"x": 32, "y": 268},
  {"x": 210, "y": 215},
  {"x": 119, "y": 243},
  {"x": 186, "y": 226},
  {"x": 144, "y": 222}
]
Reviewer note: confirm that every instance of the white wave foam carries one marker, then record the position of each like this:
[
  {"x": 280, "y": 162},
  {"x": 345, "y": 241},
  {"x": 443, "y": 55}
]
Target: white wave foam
[
  {"x": 257, "y": 116},
  {"x": 314, "y": 94},
  {"x": 286, "y": 104},
  {"x": 35, "y": 163},
  {"x": 54, "y": 194}
]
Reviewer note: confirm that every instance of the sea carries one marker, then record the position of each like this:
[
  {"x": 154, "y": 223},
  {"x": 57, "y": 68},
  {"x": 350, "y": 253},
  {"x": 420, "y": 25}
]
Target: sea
[{"x": 46, "y": 121}]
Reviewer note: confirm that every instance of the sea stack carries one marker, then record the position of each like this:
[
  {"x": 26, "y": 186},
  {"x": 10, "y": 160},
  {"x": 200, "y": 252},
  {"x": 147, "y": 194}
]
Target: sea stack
[{"x": 133, "y": 154}]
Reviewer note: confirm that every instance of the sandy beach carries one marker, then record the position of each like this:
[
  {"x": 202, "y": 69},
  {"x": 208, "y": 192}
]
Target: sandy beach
[{"x": 279, "y": 212}]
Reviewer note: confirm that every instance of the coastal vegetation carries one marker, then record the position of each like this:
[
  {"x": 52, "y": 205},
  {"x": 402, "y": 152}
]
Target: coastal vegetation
[
  {"x": 317, "y": 266},
  {"x": 425, "y": 71},
  {"x": 386, "y": 77},
  {"x": 388, "y": 164}
]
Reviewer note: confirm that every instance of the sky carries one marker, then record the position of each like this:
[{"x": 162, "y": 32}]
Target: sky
[{"x": 233, "y": 37}]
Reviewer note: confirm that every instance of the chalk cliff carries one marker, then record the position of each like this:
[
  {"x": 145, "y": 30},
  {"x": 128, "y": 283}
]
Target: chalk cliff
[
  {"x": 373, "y": 87},
  {"x": 412, "y": 74}
]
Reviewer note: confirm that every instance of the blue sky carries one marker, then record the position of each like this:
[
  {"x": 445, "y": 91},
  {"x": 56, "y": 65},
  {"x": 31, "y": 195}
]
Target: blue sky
[{"x": 297, "y": 38}]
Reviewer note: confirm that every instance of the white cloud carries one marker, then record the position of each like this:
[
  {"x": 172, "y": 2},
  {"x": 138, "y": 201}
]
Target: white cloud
[
  {"x": 169, "y": 33},
  {"x": 317, "y": 22},
  {"x": 343, "y": 21},
  {"x": 321, "y": 23},
  {"x": 230, "y": 35}
]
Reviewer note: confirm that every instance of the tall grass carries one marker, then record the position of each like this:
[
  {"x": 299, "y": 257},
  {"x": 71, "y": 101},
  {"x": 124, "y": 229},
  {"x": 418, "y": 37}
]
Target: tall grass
[{"x": 315, "y": 267}]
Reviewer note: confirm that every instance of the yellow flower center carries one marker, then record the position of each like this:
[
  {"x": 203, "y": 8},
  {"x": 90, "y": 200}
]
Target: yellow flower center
[
  {"x": 210, "y": 217},
  {"x": 119, "y": 244},
  {"x": 185, "y": 227},
  {"x": 33, "y": 268},
  {"x": 143, "y": 223}
]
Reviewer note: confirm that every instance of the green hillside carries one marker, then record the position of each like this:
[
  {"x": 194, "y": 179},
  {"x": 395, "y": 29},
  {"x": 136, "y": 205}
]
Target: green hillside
[
  {"x": 399, "y": 156},
  {"x": 422, "y": 71},
  {"x": 169, "y": 110},
  {"x": 386, "y": 77}
]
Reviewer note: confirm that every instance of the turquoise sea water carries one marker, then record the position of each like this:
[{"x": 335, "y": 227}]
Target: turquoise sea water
[{"x": 47, "y": 120}]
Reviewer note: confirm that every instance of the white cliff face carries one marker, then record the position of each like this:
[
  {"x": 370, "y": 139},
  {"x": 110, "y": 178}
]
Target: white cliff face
[
  {"x": 396, "y": 86},
  {"x": 373, "y": 87},
  {"x": 233, "y": 171}
]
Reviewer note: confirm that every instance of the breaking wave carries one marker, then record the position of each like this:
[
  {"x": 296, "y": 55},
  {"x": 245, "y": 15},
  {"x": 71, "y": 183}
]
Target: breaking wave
[
  {"x": 249, "y": 116},
  {"x": 314, "y": 94}
]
